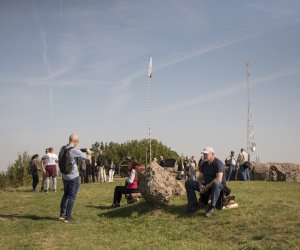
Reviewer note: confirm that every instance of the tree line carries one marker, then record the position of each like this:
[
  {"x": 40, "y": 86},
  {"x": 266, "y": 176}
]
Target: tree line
[{"x": 17, "y": 173}]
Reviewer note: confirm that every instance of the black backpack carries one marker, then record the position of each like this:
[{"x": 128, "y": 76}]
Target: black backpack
[{"x": 64, "y": 160}]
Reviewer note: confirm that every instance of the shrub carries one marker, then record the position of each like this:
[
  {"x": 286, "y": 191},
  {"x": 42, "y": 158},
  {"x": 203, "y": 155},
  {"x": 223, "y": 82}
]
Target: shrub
[{"x": 17, "y": 173}]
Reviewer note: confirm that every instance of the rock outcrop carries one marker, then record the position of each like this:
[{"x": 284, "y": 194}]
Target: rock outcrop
[
  {"x": 260, "y": 171},
  {"x": 157, "y": 185},
  {"x": 285, "y": 172}
]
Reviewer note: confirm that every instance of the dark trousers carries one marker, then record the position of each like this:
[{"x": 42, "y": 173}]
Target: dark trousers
[
  {"x": 119, "y": 190},
  {"x": 35, "y": 180},
  {"x": 83, "y": 176}
]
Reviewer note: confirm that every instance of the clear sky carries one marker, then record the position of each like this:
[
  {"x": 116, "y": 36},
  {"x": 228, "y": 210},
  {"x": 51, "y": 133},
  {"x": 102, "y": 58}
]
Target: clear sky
[{"x": 81, "y": 66}]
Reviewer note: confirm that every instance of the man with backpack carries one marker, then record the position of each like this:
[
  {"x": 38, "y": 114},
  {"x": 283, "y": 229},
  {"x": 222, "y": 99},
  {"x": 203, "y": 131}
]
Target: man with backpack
[
  {"x": 244, "y": 165},
  {"x": 68, "y": 156},
  {"x": 230, "y": 162}
]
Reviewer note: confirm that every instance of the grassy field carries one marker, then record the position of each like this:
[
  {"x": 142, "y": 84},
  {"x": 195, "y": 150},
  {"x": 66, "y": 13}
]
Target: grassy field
[{"x": 268, "y": 217}]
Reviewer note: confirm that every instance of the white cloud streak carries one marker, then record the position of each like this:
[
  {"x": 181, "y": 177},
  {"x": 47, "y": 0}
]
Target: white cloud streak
[{"x": 225, "y": 92}]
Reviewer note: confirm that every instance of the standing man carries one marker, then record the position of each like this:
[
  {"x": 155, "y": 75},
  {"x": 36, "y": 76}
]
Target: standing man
[
  {"x": 51, "y": 170},
  {"x": 211, "y": 183},
  {"x": 45, "y": 156},
  {"x": 242, "y": 161},
  {"x": 71, "y": 180},
  {"x": 161, "y": 161},
  {"x": 192, "y": 168},
  {"x": 230, "y": 162},
  {"x": 101, "y": 164}
]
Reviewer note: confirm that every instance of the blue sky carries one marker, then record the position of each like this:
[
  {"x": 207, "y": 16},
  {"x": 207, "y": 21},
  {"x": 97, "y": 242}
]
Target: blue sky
[{"x": 81, "y": 66}]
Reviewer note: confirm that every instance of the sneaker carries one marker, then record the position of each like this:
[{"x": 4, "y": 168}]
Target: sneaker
[
  {"x": 69, "y": 220},
  {"x": 192, "y": 208},
  {"x": 115, "y": 205},
  {"x": 61, "y": 217},
  {"x": 210, "y": 211}
]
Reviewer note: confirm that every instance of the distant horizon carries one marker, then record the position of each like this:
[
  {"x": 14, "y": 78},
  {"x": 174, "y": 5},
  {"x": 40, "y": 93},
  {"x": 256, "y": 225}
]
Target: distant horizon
[{"x": 156, "y": 156}]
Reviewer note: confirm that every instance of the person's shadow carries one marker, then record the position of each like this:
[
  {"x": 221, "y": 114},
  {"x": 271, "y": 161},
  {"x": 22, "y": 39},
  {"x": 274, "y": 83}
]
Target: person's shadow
[
  {"x": 26, "y": 216},
  {"x": 141, "y": 208}
]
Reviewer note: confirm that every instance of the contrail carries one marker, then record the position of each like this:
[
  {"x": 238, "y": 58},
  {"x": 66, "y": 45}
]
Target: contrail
[
  {"x": 43, "y": 36},
  {"x": 225, "y": 92},
  {"x": 61, "y": 6}
]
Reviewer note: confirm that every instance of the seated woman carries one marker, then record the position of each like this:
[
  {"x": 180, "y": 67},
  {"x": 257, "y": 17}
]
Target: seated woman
[{"x": 131, "y": 185}]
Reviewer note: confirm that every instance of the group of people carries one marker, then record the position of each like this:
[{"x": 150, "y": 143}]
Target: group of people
[
  {"x": 89, "y": 170},
  {"x": 240, "y": 165},
  {"x": 49, "y": 170},
  {"x": 95, "y": 170},
  {"x": 211, "y": 183},
  {"x": 187, "y": 168}
]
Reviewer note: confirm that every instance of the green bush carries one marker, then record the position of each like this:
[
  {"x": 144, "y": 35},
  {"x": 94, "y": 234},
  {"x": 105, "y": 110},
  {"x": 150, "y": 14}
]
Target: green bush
[
  {"x": 17, "y": 173},
  {"x": 3, "y": 181}
]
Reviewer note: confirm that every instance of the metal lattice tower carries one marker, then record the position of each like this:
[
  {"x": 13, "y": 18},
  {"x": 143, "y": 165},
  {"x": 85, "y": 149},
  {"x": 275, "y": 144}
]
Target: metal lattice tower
[{"x": 251, "y": 146}]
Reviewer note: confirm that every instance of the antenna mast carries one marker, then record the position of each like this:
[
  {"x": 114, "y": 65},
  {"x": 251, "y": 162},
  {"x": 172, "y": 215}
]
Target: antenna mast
[{"x": 251, "y": 146}]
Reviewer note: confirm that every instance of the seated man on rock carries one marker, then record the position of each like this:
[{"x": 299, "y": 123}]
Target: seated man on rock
[{"x": 210, "y": 184}]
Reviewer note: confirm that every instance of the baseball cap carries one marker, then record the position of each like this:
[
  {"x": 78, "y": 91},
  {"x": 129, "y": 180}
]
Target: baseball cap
[{"x": 207, "y": 150}]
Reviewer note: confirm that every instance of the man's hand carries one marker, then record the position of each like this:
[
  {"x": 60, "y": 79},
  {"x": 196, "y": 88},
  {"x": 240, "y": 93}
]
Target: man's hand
[{"x": 203, "y": 189}]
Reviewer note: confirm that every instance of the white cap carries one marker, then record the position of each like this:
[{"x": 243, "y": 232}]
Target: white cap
[{"x": 207, "y": 150}]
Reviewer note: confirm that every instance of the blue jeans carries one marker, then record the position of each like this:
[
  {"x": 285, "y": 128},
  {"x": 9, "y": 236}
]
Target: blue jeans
[
  {"x": 245, "y": 173},
  {"x": 192, "y": 186},
  {"x": 70, "y": 191},
  {"x": 231, "y": 169}
]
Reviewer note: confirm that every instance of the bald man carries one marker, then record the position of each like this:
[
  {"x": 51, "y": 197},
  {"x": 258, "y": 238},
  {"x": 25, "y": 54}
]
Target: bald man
[{"x": 71, "y": 180}]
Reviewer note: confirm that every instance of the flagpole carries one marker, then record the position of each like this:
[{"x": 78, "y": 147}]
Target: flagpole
[
  {"x": 149, "y": 105},
  {"x": 150, "y": 101}
]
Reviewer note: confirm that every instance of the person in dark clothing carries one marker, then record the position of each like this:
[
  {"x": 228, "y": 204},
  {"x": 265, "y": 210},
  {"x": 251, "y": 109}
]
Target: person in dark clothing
[
  {"x": 161, "y": 161},
  {"x": 211, "y": 183},
  {"x": 34, "y": 171},
  {"x": 82, "y": 170}
]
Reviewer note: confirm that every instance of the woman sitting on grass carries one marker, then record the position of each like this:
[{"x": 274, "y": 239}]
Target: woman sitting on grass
[{"x": 131, "y": 185}]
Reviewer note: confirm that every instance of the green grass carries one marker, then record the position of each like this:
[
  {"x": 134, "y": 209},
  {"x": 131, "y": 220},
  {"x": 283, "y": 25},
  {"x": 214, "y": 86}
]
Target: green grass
[{"x": 268, "y": 217}]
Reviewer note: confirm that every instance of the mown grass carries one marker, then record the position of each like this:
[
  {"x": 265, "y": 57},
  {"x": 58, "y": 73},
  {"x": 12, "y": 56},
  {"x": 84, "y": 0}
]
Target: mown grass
[{"x": 268, "y": 217}]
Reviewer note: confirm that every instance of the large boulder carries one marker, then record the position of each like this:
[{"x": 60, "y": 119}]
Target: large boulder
[
  {"x": 157, "y": 185},
  {"x": 260, "y": 171},
  {"x": 285, "y": 172}
]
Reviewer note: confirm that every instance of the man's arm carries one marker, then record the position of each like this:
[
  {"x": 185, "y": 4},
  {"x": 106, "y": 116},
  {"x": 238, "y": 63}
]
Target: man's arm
[{"x": 219, "y": 177}]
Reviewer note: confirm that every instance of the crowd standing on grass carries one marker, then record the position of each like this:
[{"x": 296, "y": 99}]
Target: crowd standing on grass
[{"x": 86, "y": 168}]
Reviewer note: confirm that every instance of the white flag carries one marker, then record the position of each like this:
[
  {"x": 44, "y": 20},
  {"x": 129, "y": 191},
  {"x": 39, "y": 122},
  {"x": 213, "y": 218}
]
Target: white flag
[{"x": 150, "y": 68}]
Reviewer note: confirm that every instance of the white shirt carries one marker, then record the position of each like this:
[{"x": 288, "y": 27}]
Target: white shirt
[{"x": 51, "y": 159}]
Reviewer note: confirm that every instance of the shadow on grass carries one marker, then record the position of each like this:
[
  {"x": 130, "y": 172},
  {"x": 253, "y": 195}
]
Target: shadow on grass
[
  {"x": 26, "y": 216},
  {"x": 142, "y": 208}
]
